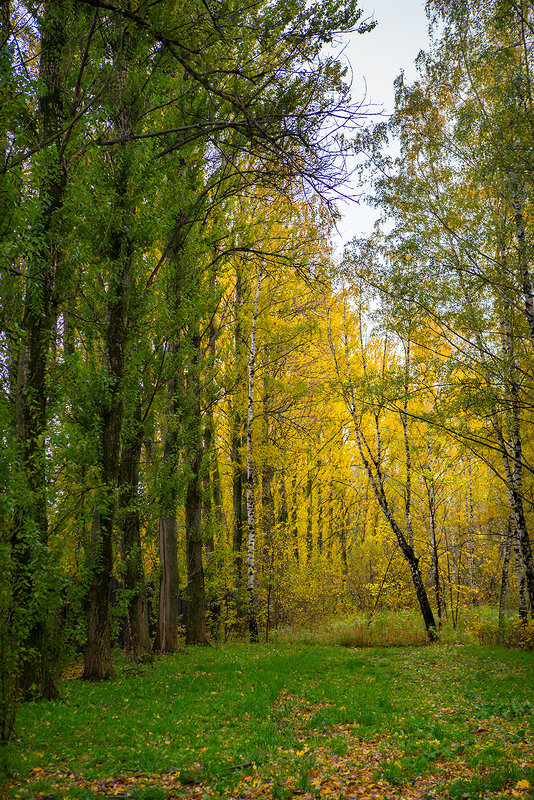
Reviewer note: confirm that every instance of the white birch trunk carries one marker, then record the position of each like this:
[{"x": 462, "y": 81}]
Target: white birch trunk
[
  {"x": 251, "y": 512},
  {"x": 505, "y": 574},
  {"x": 471, "y": 532},
  {"x": 407, "y": 453}
]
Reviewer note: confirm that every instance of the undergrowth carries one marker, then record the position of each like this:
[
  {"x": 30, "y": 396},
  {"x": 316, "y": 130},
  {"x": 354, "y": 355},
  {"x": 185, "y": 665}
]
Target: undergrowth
[
  {"x": 404, "y": 628},
  {"x": 514, "y": 633},
  {"x": 383, "y": 628}
]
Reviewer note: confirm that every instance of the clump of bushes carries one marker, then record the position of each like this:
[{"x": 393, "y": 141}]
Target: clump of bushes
[
  {"x": 400, "y": 629},
  {"x": 404, "y": 628},
  {"x": 519, "y": 633},
  {"x": 383, "y": 629}
]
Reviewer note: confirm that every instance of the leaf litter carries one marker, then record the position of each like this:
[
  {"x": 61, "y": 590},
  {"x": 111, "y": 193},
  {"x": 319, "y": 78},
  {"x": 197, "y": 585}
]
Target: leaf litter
[{"x": 355, "y": 774}]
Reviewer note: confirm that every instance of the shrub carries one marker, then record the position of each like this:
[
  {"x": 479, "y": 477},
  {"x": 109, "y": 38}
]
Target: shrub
[{"x": 516, "y": 634}]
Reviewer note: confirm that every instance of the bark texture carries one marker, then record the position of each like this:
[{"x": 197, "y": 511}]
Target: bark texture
[
  {"x": 166, "y": 640},
  {"x": 137, "y": 636}
]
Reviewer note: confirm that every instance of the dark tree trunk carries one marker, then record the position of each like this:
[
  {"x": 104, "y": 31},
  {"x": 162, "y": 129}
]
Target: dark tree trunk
[
  {"x": 377, "y": 483},
  {"x": 267, "y": 479},
  {"x": 434, "y": 546},
  {"x": 217, "y": 493},
  {"x": 309, "y": 515},
  {"x": 283, "y": 515},
  {"x": 195, "y": 629},
  {"x": 419, "y": 586},
  {"x": 237, "y": 498},
  {"x": 293, "y": 519},
  {"x": 214, "y": 525},
  {"x": 137, "y": 637},
  {"x": 98, "y": 662},
  {"x": 207, "y": 494},
  {"x": 30, "y": 533},
  {"x": 166, "y": 640},
  {"x": 514, "y": 481}
]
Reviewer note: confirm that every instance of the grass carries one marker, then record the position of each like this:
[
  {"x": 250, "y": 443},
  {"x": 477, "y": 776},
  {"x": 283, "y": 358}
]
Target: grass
[
  {"x": 403, "y": 628},
  {"x": 282, "y": 719}
]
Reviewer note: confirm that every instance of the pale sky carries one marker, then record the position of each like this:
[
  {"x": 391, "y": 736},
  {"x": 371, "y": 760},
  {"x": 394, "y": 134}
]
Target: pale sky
[{"x": 376, "y": 59}]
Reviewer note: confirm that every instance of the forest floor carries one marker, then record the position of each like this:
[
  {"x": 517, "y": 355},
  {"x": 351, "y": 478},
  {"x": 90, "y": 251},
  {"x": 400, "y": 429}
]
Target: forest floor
[{"x": 284, "y": 721}]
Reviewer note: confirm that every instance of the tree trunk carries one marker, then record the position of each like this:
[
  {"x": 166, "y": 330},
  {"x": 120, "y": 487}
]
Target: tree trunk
[
  {"x": 330, "y": 539},
  {"x": 30, "y": 535},
  {"x": 512, "y": 452},
  {"x": 434, "y": 547},
  {"x": 319, "y": 520},
  {"x": 376, "y": 480},
  {"x": 343, "y": 541},
  {"x": 521, "y": 580},
  {"x": 98, "y": 662},
  {"x": 166, "y": 640},
  {"x": 518, "y": 203},
  {"x": 471, "y": 533},
  {"x": 309, "y": 514},
  {"x": 268, "y": 524},
  {"x": 195, "y": 627},
  {"x": 294, "y": 528},
  {"x": 236, "y": 447},
  {"x": 251, "y": 517},
  {"x": 431, "y": 493},
  {"x": 504, "y": 575},
  {"x": 407, "y": 451},
  {"x": 514, "y": 480},
  {"x": 137, "y": 636},
  {"x": 283, "y": 515}
]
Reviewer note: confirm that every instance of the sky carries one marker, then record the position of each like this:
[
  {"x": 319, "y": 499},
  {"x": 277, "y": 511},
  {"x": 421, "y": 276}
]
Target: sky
[{"x": 376, "y": 59}]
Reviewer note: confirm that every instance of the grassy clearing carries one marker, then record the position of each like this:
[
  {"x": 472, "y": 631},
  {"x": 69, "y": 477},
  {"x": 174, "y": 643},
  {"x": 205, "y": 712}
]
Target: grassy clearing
[{"x": 284, "y": 719}]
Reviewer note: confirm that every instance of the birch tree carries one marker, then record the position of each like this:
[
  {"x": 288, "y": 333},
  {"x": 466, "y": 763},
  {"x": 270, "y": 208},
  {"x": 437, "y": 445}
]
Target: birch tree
[
  {"x": 251, "y": 510},
  {"x": 370, "y": 448}
]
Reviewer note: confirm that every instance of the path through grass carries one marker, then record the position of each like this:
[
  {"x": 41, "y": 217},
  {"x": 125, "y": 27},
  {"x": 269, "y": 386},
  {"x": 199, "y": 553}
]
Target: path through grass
[{"x": 283, "y": 721}]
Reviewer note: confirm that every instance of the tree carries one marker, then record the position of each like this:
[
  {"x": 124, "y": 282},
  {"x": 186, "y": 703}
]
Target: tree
[
  {"x": 359, "y": 396},
  {"x": 43, "y": 287},
  {"x": 459, "y": 246}
]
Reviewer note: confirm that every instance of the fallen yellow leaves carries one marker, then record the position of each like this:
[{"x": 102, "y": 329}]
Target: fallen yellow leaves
[
  {"x": 345, "y": 766},
  {"x": 520, "y": 789}
]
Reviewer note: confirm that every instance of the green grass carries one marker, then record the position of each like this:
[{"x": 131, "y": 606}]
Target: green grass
[{"x": 292, "y": 712}]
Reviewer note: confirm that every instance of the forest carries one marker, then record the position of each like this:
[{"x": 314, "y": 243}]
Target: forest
[{"x": 213, "y": 427}]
